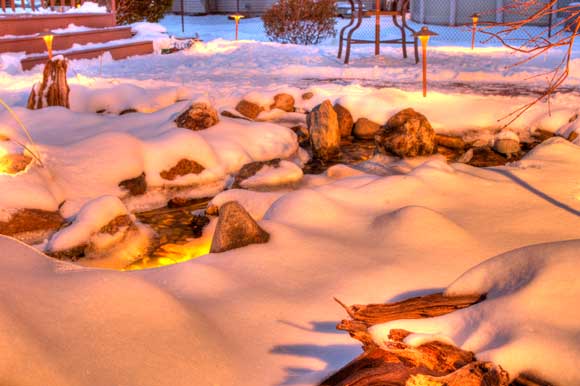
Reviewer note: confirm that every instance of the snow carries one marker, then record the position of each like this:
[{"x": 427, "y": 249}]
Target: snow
[
  {"x": 93, "y": 153},
  {"x": 361, "y": 238},
  {"x": 263, "y": 314},
  {"x": 94, "y": 215},
  {"x": 526, "y": 324},
  {"x": 506, "y": 134}
]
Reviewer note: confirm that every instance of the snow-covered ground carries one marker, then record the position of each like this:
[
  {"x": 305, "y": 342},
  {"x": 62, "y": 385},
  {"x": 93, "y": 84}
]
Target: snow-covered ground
[{"x": 264, "y": 315}]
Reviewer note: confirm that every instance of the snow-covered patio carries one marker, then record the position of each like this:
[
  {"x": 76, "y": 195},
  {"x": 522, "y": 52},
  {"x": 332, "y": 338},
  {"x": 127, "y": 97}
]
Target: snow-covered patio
[{"x": 379, "y": 231}]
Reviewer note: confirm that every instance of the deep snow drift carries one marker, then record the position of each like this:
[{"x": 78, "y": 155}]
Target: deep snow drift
[{"x": 264, "y": 314}]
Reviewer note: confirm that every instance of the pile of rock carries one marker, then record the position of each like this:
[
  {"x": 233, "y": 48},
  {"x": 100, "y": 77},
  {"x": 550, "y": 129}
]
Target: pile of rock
[{"x": 407, "y": 134}]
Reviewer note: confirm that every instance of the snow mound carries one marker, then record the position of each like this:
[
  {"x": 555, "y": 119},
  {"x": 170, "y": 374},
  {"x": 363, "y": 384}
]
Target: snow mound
[
  {"x": 410, "y": 222},
  {"x": 90, "y": 219},
  {"x": 106, "y": 330},
  {"x": 529, "y": 315}
]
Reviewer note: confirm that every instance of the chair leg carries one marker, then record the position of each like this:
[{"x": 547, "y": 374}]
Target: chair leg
[
  {"x": 415, "y": 40},
  {"x": 403, "y": 36},
  {"x": 343, "y": 30},
  {"x": 351, "y": 32}
]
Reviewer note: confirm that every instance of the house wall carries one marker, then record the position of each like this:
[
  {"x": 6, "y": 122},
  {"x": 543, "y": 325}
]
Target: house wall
[
  {"x": 190, "y": 6},
  {"x": 458, "y": 12}
]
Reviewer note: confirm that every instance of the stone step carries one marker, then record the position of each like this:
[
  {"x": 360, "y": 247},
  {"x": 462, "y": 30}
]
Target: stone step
[
  {"x": 64, "y": 41},
  {"x": 117, "y": 51},
  {"x": 30, "y": 24}
]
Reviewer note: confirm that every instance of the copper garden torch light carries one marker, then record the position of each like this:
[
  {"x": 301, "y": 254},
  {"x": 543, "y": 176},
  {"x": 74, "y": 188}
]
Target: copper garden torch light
[
  {"x": 474, "y": 19},
  {"x": 48, "y": 38},
  {"x": 424, "y": 34},
  {"x": 237, "y": 17}
]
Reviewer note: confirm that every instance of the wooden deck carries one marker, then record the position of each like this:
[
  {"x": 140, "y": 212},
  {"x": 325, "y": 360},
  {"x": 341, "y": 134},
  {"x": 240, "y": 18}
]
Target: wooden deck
[
  {"x": 30, "y": 24},
  {"x": 35, "y": 44},
  {"x": 118, "y": 51}
]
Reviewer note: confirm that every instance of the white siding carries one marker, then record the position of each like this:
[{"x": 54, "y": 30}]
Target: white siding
[{"x": 189, "y": 6}]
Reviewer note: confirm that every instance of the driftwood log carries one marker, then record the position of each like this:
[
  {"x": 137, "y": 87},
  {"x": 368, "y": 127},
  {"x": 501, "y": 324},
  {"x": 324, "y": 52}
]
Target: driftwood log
[
  {"x": 431, "y": 364},
  {"x": 54, "y": 89}
]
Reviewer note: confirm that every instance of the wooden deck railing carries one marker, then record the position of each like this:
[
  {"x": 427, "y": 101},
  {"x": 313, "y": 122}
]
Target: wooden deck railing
[{"x": 54, "y": 5}]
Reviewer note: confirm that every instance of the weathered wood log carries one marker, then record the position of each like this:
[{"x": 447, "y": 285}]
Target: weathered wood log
[
  {"x": 400, "y": 364},
  {"x": 431, "y": 364},
  {"x": 54, "y": 89},
  {"x": 365, "y": 316}
]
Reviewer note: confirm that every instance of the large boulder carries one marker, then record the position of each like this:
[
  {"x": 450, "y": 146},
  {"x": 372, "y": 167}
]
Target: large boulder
[
  {"x": 366, "y": 129},
  {"x": 199, "y": 116},
  {"x": 183, "y": 167},
  {"x": 249, "y": 109},
  {"x": 345, "y": 120},
  {"x": 407, "y": 134},
  {"x": 283, "y": 102},
  {"x": 324, "y": 132},
  {"x": 236, "y": 229}
]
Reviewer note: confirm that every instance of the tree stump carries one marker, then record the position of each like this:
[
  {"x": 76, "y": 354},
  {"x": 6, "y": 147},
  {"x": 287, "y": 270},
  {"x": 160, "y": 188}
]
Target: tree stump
[{"x": 54, "y": 89}]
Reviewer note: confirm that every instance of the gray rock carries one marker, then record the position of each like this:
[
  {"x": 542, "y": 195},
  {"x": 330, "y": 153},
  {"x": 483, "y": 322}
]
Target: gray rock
[
  {"x": 307, "y": 95},
  {"x": 324, "y": 133},
  {"x": 283, "y": 102},
  {"x": 366, "y": 129},
  {"x": 407, "y": 134},
  {"x": 236, "y": 229},
  {"x": 345, "y": 120},
  {"x": 199, "y": 116}
]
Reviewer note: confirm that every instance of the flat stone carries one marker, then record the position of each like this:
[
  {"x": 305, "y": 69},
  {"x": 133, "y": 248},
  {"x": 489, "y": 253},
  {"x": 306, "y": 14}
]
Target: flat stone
[
  {"x": 183, "y": 167},
  {"x": 135, "y": 186},
  {"x": 283, "y": 102},
  {"x": 249, "y": 109},
  {"x": 236, "y": 229},
  {"x": 31, "y": 220},
  {"x": 250, "y": 170}
]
